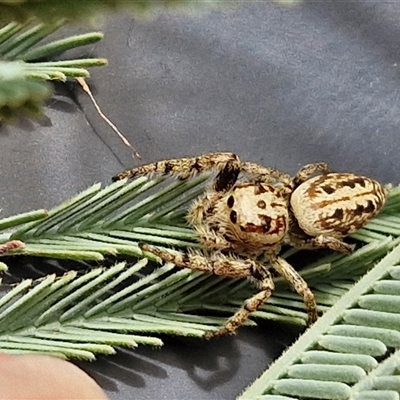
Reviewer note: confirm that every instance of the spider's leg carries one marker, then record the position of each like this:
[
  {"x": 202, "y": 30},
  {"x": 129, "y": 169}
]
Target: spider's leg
[
  {"x": 320, "y": 241},
  {"x": 266, "y": 286},
  {"x": 227, "y": 266},
  {"x": 217, "y": 263},
  {"x": 308, "y": 170},
  {"x": 227, "y": 176},
  {"x": 182, "y": 167},
  {"x": 269, "y": 175},
  {"x": 299, "y": 285}
]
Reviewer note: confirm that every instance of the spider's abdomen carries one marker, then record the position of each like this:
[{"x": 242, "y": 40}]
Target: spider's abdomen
[
  {"x": 337, "y": 204},
  {"x": 257, "y": 216}
]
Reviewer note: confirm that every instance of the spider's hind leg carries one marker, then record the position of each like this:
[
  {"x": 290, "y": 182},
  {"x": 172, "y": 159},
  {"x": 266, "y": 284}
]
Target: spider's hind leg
[
  {"x": 182, "y": 167},
  {"x": 319, "y": 242},
  {"x": 298, "y": 284},
  {"x": 310, "y": 169}
]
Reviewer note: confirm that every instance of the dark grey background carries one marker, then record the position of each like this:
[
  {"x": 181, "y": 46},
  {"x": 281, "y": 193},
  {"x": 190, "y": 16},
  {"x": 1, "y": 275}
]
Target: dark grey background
[{"x": 284, "y": 86}]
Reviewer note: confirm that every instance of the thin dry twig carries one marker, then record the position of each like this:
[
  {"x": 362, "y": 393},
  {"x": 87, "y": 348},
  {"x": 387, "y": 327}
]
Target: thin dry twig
[{"x": 86, "y": 88}]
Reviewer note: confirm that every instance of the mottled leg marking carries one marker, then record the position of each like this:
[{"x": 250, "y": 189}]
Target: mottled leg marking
[
  {"x": 182, "y": 167},
  {"x": 308, "y": 170},
  {"x": 223, "y": 265},
  {"x": 227, "y": 177},
  {"x": 252, "y": 304},
  {"x": 333, "y": 244},
  {"x": 298, "y": 284},
  {"x": 320, "y": 242},
  {"x": 268, "y": 175},
  {"x": 218, "y": 264}
]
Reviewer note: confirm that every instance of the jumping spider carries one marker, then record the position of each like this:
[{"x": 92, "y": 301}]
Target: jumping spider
[{"x": 243, "y": 223}]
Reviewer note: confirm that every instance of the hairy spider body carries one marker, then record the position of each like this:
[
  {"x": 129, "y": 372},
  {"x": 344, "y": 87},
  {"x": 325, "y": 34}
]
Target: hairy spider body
[
  {"x": 330, "y": 206},
  {"x": 241, "y": 223},
  {"x": 339, "y": 204},
  {"x": 237, "y": 222},
  {"x": 250, "y": 219}
]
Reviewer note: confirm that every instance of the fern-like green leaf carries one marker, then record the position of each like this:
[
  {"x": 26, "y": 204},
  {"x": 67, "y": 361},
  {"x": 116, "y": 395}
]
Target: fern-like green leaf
[
  {"x": 340, "y": 357},
  {"x": 23, "y": 86},
  {"x": 112, "y": 220},
  {"x": 79, "y": 315}
]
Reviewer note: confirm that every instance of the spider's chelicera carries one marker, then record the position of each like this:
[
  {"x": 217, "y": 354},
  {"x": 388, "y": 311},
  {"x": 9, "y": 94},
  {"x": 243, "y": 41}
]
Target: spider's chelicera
[{"x": 242, "y": 223}]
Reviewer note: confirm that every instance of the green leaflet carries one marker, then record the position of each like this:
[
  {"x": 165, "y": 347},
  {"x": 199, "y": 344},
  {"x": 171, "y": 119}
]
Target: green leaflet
[{"x": 23, "y": 86}]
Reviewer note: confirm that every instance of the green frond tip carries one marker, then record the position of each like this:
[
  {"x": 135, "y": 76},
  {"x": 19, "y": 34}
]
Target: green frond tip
[
  {"x": 19, "y": 96},
  {"x": 60, "y": 46},
  {"x": 23, "y": 89},
  {"x": 74, "y": 10},
  {"x": 10, "y": 222}
]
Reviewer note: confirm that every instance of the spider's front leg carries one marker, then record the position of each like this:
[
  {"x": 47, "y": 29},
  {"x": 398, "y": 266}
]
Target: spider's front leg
[
  {"x": 226, "y": 266},
  {"x": 182, "y": 167},
  {"x": 298, "y": 284}
]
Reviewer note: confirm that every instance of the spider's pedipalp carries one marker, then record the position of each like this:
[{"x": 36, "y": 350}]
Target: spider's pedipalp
[{"x": 227, "y": 176}]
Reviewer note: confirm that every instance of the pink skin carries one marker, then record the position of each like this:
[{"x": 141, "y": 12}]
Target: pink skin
[{"x": 37, "y": 377}]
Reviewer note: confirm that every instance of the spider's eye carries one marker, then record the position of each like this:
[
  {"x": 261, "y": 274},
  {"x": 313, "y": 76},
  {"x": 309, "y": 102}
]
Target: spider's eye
[
  {"x": 230, "y": 201},
  {"x": 233, "y": 216}
]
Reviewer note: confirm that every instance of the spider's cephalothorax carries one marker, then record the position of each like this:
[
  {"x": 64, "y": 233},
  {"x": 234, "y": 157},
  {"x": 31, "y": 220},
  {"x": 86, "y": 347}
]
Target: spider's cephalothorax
[
  {"x": 236, "y": 221},
  {"x": 250, "y": 219}
]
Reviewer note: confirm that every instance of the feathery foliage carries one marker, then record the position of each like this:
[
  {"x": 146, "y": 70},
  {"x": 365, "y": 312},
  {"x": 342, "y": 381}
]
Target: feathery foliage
[
  {"x": 340, "y": 357},
  {"x": 81, "y": 314},
  {"x": 74, "y": 10},
  {"x": 24, "y": 72},
  {"x": 25, "y": 69}
]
